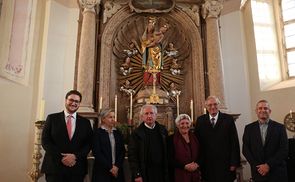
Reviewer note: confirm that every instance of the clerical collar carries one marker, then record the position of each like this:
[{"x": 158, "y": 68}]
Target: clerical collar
[
  {"x": 150, "y": 127},
  {"x": 216, "y": 116},
  {"x": 74, "y": 115},
  {"x": 105, "y": 128}
]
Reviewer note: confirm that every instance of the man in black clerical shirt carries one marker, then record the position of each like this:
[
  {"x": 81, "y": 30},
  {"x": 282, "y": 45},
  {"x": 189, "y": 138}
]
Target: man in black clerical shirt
[{"x": 147, "y": 149}]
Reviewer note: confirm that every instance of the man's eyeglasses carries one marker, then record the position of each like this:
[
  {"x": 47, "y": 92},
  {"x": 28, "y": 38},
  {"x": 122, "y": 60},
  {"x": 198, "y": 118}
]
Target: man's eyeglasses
[{"x": 75, "y": 101}]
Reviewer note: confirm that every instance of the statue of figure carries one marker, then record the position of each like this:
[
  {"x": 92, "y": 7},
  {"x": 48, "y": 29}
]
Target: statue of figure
[
  {"x": 125, "y": 67},
  {"x": 175, "y": 67},
  {"x": 173, "y": 90},
  {"x": 171, "y": 51},
  {"x": 151, "y": 46},
  {"x": 126, "y": 88},
  {"x": 131, "y": 51}
]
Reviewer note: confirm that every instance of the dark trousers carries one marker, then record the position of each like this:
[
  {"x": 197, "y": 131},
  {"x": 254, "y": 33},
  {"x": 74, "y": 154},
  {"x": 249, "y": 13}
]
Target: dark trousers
[{"x": 64, "y": 178}]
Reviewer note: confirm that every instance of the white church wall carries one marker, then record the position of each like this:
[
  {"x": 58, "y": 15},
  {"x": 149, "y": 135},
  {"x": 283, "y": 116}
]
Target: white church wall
[
  {"x": 18, "y": 113},
  {"x": 237, "y": 91},
  {"x": 59, "y": 54},
  {"x": 51, "y": 75},
  {"x": 281, "y": 98}
]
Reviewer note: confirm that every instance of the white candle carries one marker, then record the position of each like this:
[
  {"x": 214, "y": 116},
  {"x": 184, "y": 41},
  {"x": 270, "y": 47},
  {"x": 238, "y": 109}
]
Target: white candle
[
  {"x": 42, "y": 110},
  {"x": 291, "y": 114},
  {"x": 100, "y": 104},
  {"x": 205, "y": 111},
  {"x": 177, "y": 104},
  {"x": 192, "y": 110},
  {"x": 131, "y": 99},
  {"x": 116, "y": 105}
]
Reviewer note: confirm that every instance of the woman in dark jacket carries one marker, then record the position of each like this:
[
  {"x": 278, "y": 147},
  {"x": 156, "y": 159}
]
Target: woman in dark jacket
[
  {"x": 108, "y": 150},
  {"x": 183, "y": 152}
]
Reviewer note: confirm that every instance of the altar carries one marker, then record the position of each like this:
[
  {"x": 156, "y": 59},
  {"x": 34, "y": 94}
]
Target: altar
[{"x": 160, "y": 52}]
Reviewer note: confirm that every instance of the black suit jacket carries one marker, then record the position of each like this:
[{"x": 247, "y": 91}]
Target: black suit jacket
[
  {"x": 137, "y": 152},
  {"x": 55, "y": 141},
  {"x": 103, "y": 156},
  {"x": 219, "y": 147},
  {"x": 274, "y": 152}
]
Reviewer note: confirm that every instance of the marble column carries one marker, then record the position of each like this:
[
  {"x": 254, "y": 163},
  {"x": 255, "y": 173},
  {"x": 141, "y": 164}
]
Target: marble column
[
  {"x": 210, "y": 11},
  {"x": 86, "y": 62}
]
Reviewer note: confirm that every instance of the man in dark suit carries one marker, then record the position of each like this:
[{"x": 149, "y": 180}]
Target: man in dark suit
[
  {"x": 66, "y": 139},
  {"x": 147, "y": 149},
  {"x": 219, "y": 144},
  {"x": 265, "y": 146}
]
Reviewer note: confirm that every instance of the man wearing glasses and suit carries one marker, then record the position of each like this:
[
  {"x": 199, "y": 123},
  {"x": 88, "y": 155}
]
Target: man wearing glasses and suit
[
  {"x": 66, "y": 139},
  {"x": 219, "y": 144}
]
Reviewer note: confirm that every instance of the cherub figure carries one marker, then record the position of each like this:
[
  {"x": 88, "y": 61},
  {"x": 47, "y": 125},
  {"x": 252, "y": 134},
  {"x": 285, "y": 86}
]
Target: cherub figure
[
  {"x": 173, "y": 90},
  {"x": 126, "y": 88},
  {"x": 125, "y": 67},
  {"x": 175, "y": 67},
  {"x": 132, "y": 51},
  {"x": 171, "y": 51}
]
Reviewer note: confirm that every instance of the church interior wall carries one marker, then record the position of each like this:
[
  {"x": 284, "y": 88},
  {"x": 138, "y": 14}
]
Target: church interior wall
[
  {"x": 280, "y": 98},
  {"x": 59, "y": 51},
  {"x": 52, "y": 71},
  {"x": 51, "y": 75},
  {"x": 237, "y": 91}
]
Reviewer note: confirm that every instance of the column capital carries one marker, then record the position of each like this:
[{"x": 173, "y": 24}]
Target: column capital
[
  {"x": 212, "y": 8},
  {"x": 89, "y": 4}
]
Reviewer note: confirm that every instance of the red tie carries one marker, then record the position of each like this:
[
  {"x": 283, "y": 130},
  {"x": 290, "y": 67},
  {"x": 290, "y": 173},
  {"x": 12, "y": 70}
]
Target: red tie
[{"x": 69, "y": 126}]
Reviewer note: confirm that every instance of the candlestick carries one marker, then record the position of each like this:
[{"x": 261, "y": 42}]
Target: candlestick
[
  {"x": 42, "y": 109},
  {"x": 100, "y": 104},
  {"x": 291, "y": 114},
  {"x": 116, "y": 105},
  {"x": 192, "y": 110},
  {"x": 130, "y": 114},
  {"x": 177, "y": 104}
]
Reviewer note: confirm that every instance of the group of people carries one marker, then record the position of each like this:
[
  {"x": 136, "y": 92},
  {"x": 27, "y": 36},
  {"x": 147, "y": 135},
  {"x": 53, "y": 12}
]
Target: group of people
[{"x": 208, "y": 153}]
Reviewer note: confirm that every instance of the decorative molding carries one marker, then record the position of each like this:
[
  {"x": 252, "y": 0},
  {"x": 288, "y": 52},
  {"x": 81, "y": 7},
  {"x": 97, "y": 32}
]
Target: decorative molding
[
  {"x": 89, "y": 4},
  {"x": 192, "y": 10},
  {"x": 151, "y": 6},
  {"x": 110, "y": 8},
  {"x": 212, "y": 8},
  {"x": 177, "y": 18}
]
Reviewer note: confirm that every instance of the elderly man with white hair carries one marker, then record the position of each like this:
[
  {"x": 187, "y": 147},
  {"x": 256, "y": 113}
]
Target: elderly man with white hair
[
  {"x": 183, "y": 152},
  {"x": 147, "y": 149},
  {"x": 220, "y": 150}
]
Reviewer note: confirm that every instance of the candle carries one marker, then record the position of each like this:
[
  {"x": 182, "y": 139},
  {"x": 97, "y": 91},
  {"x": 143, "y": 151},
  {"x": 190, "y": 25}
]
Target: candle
[
  {"x": 100, "y": 104},
  {"x": 42, "y": 109},
  {"x": 192, "y": 110},
  {"x": 205, "y": 111},
  {"x": 116, "y": 105},
  {"x": 177, "y": 104},
  {"x": 291, "y": 114},
  {"x": 130, "y": 114}
]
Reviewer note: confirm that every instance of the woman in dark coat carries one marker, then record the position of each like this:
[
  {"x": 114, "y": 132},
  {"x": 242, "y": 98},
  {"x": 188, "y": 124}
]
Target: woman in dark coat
[
  {"x": 108, "y": 150},
  {"x": 183, "y": 152}
]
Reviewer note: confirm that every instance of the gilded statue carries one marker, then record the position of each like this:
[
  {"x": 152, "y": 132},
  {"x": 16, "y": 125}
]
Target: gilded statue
[{"x": 151, "y": 45}]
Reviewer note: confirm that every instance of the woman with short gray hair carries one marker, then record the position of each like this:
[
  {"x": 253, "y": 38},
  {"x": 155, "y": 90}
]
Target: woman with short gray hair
[{"x": 183, "y": 152}]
